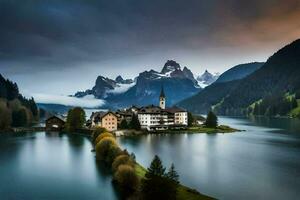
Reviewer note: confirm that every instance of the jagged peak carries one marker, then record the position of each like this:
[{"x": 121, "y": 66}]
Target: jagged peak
[{"x": 169, "y": 66}]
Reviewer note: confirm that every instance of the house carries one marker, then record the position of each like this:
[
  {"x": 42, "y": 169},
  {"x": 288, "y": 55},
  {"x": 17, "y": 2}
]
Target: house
[
  {"x": 55, "y": 123},
  {"x": 107, "y": 120}
]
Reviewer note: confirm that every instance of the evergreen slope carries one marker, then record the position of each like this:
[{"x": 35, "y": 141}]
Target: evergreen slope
[
  {"x": 15, "y": 110},
  {"x": 278, "y": 77},
  {"x": 239, "y": 72},
  {"x": 208, "y": 97},
  {"x": 280, "y": 74}
]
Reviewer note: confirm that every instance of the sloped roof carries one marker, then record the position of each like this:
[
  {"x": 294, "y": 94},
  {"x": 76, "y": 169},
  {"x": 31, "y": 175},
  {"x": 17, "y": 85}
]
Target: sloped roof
[{"x": 175, "y": 109}]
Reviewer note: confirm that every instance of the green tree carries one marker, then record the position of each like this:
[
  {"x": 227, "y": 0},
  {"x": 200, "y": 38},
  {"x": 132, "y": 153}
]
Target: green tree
[
  {"x": 173, "y": 175},
  {"x": 156, "y": 184},
  {"x": 211, "y": 120},
  {"x": 297, "y": 95},
  {"x": 5, "y": 117},
  {"x": 135, "y": 123},
  {"x": 75, "y": 119},
  {"x": 19, "y": 118},
  {"x": 124, "y": 124},
  {"x": 190, "y": 119},
  {"x": 156, "y": 168},
  {"x": 294, "y": 103}
]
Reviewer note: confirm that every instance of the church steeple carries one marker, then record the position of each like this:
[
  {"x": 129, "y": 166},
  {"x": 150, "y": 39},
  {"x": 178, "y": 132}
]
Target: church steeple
[{"x": 162, "y": 99}]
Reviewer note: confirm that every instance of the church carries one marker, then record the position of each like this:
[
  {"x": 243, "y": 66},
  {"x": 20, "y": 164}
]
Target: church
[{"x": 162, "y": 118}]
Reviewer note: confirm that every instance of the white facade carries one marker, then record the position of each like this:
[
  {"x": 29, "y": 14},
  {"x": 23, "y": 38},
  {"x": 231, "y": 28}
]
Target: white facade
[
  {"x": 150, "y": 120},
  {"x": 181, "y": 118}
]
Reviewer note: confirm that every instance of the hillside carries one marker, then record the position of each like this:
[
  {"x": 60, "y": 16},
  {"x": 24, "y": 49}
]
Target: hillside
[
  {"x": 263, "y": 92},
  {"x": 15, "y": 110},
  {"x": 209, "y": 96},
  {"x": 279, "y": 75},
  {"x": 239, "y": 72}
]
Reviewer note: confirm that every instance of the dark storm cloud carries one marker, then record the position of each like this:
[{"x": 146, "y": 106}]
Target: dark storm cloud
[{"x": 66, "y": 34}]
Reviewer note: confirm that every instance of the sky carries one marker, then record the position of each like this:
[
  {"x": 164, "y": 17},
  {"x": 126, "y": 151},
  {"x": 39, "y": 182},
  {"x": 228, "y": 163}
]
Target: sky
[{"x": 59, "y": 47}]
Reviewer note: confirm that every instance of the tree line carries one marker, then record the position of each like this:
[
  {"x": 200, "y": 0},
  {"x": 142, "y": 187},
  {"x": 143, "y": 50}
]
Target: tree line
[{"x": 15, "y": 109}]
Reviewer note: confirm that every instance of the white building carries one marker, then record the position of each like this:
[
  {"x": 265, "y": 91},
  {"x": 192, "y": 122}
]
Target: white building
[{"x": 162, "y": 118}]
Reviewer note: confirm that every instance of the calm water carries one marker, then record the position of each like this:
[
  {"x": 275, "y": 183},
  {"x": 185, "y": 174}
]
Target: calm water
[
  {"x": 51, "y": 166},
  {"x": 261, "y": 163}
]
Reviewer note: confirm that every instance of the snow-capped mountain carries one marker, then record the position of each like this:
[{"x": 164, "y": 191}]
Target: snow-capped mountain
[
  {"x": 105, "y": 87},
  {"x": 178, "y": 84},
  {"x": 207, "y": 78}
]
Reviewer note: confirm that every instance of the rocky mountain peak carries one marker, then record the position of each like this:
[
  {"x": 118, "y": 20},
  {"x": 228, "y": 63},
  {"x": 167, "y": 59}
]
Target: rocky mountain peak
[
  {"x": 119, "y": 79},
  {"x": 170, "y": 66},
  {"x": 207, "y": 78}
]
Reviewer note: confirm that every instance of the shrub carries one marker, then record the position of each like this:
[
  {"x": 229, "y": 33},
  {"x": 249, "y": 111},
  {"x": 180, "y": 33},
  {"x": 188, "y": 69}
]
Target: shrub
[
  {"x": 113, "y": 152},
  {"x": 127, "y": 179},
  {"x": 103, "y": 147},
  {"x": 122, "y": 160},
  {"x": 103, "y": 135},
  {"x": 97, "y": 132}
]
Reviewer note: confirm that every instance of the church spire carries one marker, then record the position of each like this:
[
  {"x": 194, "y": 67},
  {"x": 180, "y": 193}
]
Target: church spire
[
  {"x": 162, "y": 99},
  {"x": 162, "y": 92}
]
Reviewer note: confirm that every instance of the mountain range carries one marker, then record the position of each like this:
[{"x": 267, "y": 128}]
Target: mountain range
[
  {"x": 179, "y": 83},
  {"x": 244, "y": 88}
]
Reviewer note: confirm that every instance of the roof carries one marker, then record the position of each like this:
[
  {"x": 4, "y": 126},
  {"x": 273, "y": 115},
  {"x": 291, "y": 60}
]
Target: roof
[
  {"x": 175, "y": 109},
  {"x": 57, "y": 117},
  {"x": 101, "y": 114},
  {"x": 150, "y": 109}
]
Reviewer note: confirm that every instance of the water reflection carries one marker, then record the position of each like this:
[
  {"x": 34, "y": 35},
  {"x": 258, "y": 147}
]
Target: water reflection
[
  {"x": 262, "y": 162},
  {"x": 51, "y": 166}
]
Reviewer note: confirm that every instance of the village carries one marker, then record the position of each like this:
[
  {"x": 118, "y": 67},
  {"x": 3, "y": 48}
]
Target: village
[{"x": 150, "y": 118}]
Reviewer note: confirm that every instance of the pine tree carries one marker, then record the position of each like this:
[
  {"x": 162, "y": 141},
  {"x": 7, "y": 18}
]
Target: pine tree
[
  {"x": 124, "y": 124},
  {"x": 190, "y": 119},
  {"x": 135, "y": 123},
  {"x": 211, "y": 120},
  {"x": 156, "y": 168},
  {"x": 156, "y": 184},
  {"x": 173, "y": 175}
]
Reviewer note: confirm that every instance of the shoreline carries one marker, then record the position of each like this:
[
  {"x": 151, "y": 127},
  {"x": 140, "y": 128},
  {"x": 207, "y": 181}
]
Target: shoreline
[{"x": 190, "y": 130}]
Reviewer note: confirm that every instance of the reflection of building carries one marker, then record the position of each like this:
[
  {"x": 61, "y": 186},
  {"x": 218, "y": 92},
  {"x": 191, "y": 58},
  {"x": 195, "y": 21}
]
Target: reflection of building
[
  {"x": 161, "y": 118},
  {"x": 55, "y": 123},
  {"x": 107, "y": 120}
]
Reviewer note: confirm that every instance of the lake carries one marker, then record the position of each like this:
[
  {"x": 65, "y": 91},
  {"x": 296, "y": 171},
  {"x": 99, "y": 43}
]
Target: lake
[
  {"x": 262, "y": 162},
  {"x": 51, "y": 166}
]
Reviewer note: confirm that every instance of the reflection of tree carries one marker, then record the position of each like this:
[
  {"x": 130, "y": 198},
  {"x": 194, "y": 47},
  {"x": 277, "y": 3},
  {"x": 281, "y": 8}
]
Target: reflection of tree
[{"x": 75, "y": 140}]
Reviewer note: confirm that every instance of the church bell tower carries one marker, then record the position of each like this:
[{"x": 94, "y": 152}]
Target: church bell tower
[{"x": 162, "y": 99}]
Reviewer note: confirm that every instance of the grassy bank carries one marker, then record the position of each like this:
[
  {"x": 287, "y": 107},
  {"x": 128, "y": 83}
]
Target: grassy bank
[{"x": 183, "y": 191}]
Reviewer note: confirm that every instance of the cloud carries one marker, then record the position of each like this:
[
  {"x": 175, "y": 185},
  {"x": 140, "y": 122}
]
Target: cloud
[{"x": 86, "y": 102}]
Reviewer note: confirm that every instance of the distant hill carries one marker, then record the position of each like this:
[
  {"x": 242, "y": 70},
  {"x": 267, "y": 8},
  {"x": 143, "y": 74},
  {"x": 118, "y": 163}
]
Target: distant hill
[
  {"x": 209, "y": 96},
  {"x": 275, "y": 82},
  {"x": 239, "y": 72},
  {"x": 15, "y": 110}
]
